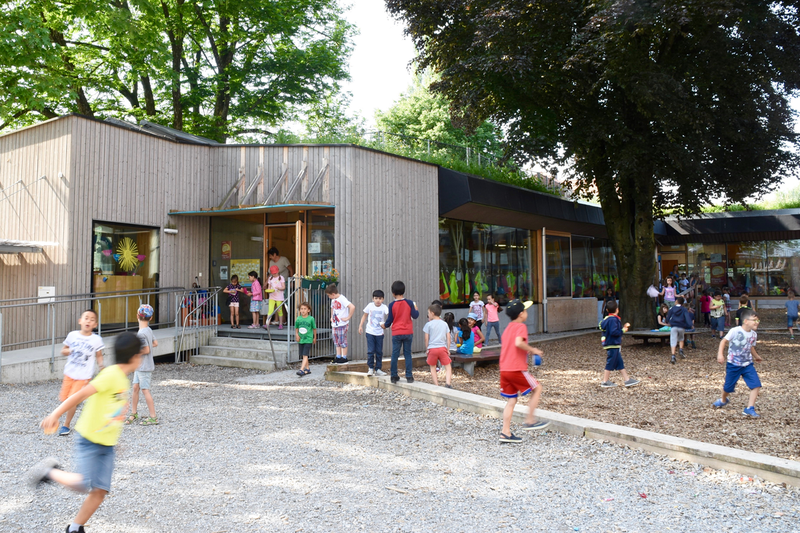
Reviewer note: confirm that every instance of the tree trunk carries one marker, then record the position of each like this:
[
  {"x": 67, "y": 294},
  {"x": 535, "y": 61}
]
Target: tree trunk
[{"x": 628, "y": 212}]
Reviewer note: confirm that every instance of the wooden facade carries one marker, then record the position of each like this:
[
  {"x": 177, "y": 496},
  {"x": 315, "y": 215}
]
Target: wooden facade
[{"x": 385, "y": 209}]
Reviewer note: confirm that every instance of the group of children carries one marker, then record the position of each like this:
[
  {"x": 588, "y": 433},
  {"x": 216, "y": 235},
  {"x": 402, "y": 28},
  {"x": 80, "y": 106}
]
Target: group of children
[{"x": 274, "y": 291}]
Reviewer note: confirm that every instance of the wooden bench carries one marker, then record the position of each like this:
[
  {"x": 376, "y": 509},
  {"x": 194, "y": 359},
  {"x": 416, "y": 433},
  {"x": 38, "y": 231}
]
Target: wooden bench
[{"x": 491, "y": 355}]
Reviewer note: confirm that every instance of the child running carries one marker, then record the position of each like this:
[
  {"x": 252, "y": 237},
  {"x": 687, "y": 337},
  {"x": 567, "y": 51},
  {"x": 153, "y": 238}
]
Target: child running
[
  {"x": 375, "y": 313},
  {"x": 256, "y": 296},
  {"x": 341, "y": 313},
  {"x": 232, "y": 290},
  {"x": 741, "y": 342},
  {"x": 276, "y": 284},
  {"x": 437, "y": 340},
  {"x": 305, "y": 332},
  {"x": 791, "y": 312},
  {"x": 492, "y": 318},
  {"x": 401, "y": 312},
  {"x": 98, "y": 430},
  {"x": 82, "y": 348},
  {"x": 514, "y": 377},
  {"x": 612, "y": 343},
  {"x": 143, "y": 374}
]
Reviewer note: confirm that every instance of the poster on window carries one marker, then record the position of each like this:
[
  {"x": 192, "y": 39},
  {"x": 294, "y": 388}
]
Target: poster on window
[
  {"x": 241, "y": 267},
  {"x": 718, "y": 274},
  {"x": 226, "y": 249}
]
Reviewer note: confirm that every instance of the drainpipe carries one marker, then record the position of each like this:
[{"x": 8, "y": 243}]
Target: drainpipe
[{"x": 544, "y": 282}]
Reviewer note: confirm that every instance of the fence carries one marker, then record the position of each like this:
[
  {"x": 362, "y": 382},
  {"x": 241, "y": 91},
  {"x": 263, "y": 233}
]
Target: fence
[
  {"x": 197, "y": 315},
  {"x": 72, "y": 305}
]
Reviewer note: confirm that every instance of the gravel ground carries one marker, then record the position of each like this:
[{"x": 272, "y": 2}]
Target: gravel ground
[
  {"x": 239, "y": 451},
  {"x": 671, "y": 399}
]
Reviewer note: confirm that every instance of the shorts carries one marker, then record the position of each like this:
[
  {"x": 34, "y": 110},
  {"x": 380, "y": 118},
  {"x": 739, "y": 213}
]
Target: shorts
[
  {"x": 340, "y": 336},
  {"x": 717, "y": 323},
  {"x": 275, "y": 304},
  {"x": 516, "y": 383},
  {"x": 234, "y": 305},
  {"x": 748, "y": 373},
  {"x": 438, "y": 354},
  {"x": 70, "y": 386},
  {"x": 143, "y": 379},
  {"x": 790, "y": 320},
  {"x": 676, "y": 336},
  {"x": 304, "y": 350},
  {"x": 255, "y": 306},
  {"x": 614, "y": 360},
  {"x": 95, "y": 463}
]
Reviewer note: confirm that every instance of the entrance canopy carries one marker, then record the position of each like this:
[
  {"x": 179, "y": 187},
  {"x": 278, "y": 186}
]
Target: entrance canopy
[
  {"x": 23, "y": 247},
  {"x": 252, "y": 210}
]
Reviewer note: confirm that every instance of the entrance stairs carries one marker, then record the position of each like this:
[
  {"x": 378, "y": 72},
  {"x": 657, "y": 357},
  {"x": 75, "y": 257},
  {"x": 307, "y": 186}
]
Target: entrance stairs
[{"x": 244, "y": 353}]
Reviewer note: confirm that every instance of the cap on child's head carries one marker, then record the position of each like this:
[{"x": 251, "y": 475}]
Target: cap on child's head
[
  {"x": 515, "y": 307},
  {"x": 274, "y": 269},
  {"x": 473, "y": 316},
  {"x": 145, "y": 312}
]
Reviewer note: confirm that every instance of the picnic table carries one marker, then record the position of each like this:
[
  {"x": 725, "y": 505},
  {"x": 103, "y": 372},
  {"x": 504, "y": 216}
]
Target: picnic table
[{"x": 646, "y": 335}]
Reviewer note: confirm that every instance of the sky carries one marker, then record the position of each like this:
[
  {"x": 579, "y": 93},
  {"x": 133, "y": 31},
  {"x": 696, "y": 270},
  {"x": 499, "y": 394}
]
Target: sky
[{"x": 379, "y": 65}]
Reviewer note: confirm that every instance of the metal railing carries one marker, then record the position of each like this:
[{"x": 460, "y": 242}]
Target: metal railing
[
  {"x": 73, "y": 305},
  {"x": 198, "y": 309}
]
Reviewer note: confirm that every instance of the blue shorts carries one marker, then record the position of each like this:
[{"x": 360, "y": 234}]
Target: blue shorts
[
  {"x": 95, "y": 463},
  {"x": 748, "y": 373},
  {"x": 143, "y": 379},
  {"x": 614, "y": 360},
  {"x": 717, "y": 323},
  {"x": 304, "y": 350},
  {"x": 790, "y": 321}
]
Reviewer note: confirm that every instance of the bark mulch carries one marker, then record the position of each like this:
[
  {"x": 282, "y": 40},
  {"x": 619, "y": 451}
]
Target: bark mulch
[{"x": 671, "y": 399}]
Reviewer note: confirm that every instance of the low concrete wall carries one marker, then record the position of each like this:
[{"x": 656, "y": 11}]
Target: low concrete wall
[
  {"x": 567, "y": 314},
  {"x": 766, "y": 467}
]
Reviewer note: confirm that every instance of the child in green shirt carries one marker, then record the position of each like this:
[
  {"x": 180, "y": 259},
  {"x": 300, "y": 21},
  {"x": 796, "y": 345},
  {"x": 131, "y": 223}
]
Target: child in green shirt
[
  {"x": 98, "y": 430},
  {"x": 305, "y": 332}
]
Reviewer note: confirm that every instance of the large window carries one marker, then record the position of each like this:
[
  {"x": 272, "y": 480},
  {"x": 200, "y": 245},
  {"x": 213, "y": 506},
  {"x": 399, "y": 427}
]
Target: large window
[
  {"x": 321, "y": 242},
  {"x": 485, "y": 259},
  {"x": 557, "y": 262},
  {"x": 125, "y": 258}
]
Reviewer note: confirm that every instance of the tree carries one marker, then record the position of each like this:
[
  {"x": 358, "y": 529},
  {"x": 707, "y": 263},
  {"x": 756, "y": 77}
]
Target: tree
[
  {"x": 421, "y": 115},
  {"x": 211, "y": 67},
  {"x": 657, "y": 104}
]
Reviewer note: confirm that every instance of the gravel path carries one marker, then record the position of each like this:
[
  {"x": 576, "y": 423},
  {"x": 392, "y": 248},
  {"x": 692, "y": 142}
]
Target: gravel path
[{"x": 239, "y": 451}]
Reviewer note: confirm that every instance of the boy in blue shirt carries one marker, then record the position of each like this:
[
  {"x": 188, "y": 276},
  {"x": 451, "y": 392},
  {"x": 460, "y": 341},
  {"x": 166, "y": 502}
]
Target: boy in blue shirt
[
  {"x": 791, "y": 312},
  {"x": 741, "y": 342},
  {"x": 612, "y": 342}
]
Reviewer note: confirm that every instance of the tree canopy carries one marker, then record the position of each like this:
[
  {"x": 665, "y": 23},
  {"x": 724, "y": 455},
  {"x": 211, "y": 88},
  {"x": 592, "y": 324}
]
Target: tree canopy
[
  {"x": 210, "y": 67},
  {"x": 655, "y": 104}
]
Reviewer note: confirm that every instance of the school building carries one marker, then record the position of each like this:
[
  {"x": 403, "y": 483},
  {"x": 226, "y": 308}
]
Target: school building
[{"x": 90, "y": 207}]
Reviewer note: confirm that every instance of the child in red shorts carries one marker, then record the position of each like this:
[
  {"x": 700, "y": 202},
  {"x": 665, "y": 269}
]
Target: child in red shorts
[
  {"x": 514, "y": 377},
  {"x": 437, "y": 339}
]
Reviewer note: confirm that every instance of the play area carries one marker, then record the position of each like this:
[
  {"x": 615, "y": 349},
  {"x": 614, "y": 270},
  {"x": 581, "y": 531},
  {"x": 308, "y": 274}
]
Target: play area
[{"x": 671, "y": 399}]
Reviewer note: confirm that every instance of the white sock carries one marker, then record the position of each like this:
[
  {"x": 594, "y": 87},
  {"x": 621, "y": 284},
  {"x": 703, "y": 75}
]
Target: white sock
[{"x": 74, "y": 527}]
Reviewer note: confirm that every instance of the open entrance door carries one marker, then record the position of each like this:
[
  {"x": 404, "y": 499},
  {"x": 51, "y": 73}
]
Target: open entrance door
[{"x": 289, "y": 240}]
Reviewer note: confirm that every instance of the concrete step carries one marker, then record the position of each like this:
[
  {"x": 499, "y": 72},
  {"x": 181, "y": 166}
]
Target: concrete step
[
  {"x": 249, "y": 344},
  {"x": 266, "y": 366},
  {"x": 241, "y": 353}
]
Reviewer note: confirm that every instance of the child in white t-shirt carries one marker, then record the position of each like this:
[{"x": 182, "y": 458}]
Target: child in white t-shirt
[
  {"x": 341, "y": 313},
  {"x": 375, "y": 314},
  {"x": 82, "y": 348},
  {"x": 476, "y": 308}
]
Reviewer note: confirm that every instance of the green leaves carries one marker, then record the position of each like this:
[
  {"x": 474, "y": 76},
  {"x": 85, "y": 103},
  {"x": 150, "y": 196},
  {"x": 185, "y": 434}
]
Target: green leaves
[{"x": 210, "y": 67}]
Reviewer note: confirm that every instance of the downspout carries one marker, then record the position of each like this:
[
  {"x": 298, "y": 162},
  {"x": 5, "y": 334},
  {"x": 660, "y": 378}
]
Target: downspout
[{"x": 544, "y": 282}]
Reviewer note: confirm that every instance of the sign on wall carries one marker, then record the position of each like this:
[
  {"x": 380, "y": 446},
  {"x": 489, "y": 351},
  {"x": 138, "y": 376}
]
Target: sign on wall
[
  {"x": 241, "y": 267},
  {"x": 226, "y": 249}
]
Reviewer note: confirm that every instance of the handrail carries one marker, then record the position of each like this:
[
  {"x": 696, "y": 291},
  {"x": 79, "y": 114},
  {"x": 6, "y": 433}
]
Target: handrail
[
  {"x": 149, "y": 290},
  {"x": 197, "y": 308},
  {"x": 286, "y": 303}
]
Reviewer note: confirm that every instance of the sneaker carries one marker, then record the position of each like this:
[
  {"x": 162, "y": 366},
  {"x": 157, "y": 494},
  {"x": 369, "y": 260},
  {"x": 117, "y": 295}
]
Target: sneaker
[
  {"x": 683, "y": 355},
  {"x": 395, "y": 379},
  {"x": 79, "y": 530},
  {"x": 370, "y": 372},
  {"x": 751, "y": 412},
  {"x": 63, "y": 431},
  {"x": 337, "y": 360},
  {"x": 252, "y": 326},
  {"x": 38, "y": 474},
  {"x": 513, "y": 439},
  {"x": 632, "y": 382},
  {"x": 380, "y": 372},
  {"x": 719, "y": 403},
  {"x": 280, "y": 326},
  {"x": 410, "y": 380},
  {"x": 342, "y": 360},
  {"x": 608, "y": 384},
  {"x": 673, "y": 360},
  {"x": 448, "y": 386},
  {"x": 791, "y": 338},
  {"x": 265, "y": 326},
  {"x": 541, "y": 424}
]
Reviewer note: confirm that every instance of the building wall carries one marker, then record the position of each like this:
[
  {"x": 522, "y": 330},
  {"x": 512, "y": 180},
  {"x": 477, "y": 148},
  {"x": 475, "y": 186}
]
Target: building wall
[{"x": 565, "y": 314}]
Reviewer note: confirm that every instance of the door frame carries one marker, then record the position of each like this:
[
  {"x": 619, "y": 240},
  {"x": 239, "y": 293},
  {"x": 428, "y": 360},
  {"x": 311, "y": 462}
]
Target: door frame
[{"x": 299, "y": 245}]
